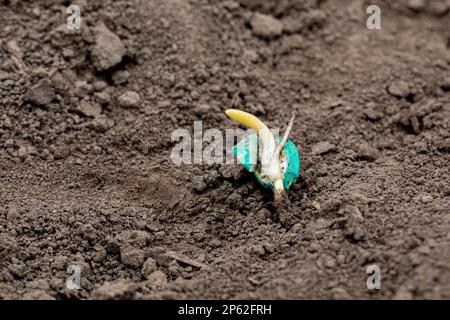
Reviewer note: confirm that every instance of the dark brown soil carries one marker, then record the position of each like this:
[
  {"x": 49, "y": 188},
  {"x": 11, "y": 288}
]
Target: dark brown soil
[{"x": 85, "y": 139}]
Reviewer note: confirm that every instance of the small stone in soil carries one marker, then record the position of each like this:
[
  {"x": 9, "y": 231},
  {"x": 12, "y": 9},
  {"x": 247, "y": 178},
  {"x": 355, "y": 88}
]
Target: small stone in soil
[
  {"x": 101, "y": 123},
  {"x": 294, "y": 41},
  {"x": 399, "y": 89},
  {"x": 4, "y": 75},
  {"x": 366, "y": 152},
  {"x": 90, "y": 108},
  {"x": 157, "y": 279},
  {"x": 102, "y": 97},
  {"x": 416, "y": 5},
  {"x": 266, "y": 26},
  {"x": 22, "y": 153},
  {"x": 198, "y": 183},
  {"x": 41, "y": 93},
  {"x": 322, "y": 148},
  {"x": 129, "y": 99},
  {"x": 108, "y": 50},
  {"x": 120, "y": 77}
]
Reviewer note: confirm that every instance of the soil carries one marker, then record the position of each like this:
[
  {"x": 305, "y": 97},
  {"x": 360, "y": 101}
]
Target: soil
[{"x": 86, "y": 177}]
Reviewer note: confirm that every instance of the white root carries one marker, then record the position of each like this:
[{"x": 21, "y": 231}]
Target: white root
[{"x": 286, "y": 136}]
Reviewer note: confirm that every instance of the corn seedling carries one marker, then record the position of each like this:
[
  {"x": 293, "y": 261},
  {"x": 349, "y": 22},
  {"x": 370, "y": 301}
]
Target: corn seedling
[{"x": 278, "y": 164}]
